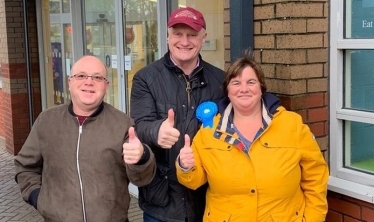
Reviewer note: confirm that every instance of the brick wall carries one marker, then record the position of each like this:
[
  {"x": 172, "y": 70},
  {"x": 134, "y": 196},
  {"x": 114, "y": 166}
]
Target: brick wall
[
  {"x": 2, "y": 126},
  {"x": 291, "y": 43},
  {"x": 2, "y": 49},
  {"x": 15, "y": 108},
  {"x": 347, "y": 209}
]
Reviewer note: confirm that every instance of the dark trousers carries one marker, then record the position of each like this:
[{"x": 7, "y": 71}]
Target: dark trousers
[{"x": 149, "y": 218}]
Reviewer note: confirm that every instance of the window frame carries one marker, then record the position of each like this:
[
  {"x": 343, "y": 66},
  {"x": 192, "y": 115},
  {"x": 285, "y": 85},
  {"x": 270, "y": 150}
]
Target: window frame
[{"x": 342, "y": 180}]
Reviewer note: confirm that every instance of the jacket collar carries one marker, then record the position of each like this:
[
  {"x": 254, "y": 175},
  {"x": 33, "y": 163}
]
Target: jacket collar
[
  {"x": 94, "y": 114},
  {"x": 196, "y": 78},
  {"x": 170, "y": 65},
  {"x": 270, "y": 103}
]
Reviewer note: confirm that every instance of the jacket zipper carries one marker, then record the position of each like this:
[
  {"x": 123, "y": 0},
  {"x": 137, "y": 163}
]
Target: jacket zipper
[
  {"x": 79, "y": 173},
  {"x": 188, "y": 86},
  {"x": 188, "y": 90}
]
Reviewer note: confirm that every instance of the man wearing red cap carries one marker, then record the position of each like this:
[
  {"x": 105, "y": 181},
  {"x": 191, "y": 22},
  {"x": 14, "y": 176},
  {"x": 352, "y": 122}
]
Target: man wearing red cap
[{"x": 164, "y": 97}]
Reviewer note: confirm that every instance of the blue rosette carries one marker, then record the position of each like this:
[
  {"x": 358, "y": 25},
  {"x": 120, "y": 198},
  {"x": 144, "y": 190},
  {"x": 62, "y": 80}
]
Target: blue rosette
[{"x": 205, "y": 112}]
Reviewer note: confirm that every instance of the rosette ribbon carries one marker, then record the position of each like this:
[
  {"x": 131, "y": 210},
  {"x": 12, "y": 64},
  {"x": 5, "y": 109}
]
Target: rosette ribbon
[{"x": 205, "y": 112}]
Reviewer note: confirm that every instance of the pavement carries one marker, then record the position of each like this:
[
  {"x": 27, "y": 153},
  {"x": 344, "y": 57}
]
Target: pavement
[{"x": 12, "y": 206}]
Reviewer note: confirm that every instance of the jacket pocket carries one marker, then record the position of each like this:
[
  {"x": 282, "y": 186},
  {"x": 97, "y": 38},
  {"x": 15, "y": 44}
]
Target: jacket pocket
[
  {"x": 292, "y": 215},
  {"x": 275, "y": 142},
  {"x": 212, "y": 214},
  {"x": 157, "y": 192}
]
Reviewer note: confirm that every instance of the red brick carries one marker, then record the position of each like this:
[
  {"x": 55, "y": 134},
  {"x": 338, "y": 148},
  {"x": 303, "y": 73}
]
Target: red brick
[
  {"x": 285, "y": 101},
  {"x": 303, "y": 114},
  {"x": 319, "y": 114},
  {"x": 307, "y": 101},
  {"x": 350, "y": 209},
  {"x": 327, "y": 101},
  {"x": 350, "y": 219},
  {"x": 360, "y": 202},
  {"x": 22, "y": 121},
  {"x": 327, "y": 127},
  {"x": 2, "y": 113},
  {"x": 20, "y": 125},
  {"x": 368, "y": 213},
  {"x": 333, "y": 216},
  {"x": 318, "y": 129}
]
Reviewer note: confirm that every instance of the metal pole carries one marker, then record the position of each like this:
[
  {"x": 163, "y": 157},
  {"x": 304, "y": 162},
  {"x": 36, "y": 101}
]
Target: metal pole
[{"x": 28, "y": 64}]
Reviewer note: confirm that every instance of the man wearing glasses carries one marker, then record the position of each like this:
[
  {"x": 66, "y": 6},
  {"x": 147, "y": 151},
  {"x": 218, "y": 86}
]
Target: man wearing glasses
[{"x": 79, "y": 158}]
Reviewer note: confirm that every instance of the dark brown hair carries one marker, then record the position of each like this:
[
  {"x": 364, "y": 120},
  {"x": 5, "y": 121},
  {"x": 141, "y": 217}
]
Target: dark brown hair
[{"x": 236, "y": 69}]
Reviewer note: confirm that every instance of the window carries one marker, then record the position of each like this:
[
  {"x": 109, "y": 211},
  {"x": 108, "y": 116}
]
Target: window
[{"x": 352, "y": 98}]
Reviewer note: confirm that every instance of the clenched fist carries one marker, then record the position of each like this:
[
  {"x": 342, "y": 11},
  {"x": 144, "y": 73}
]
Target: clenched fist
[
  {"x": 186, "y": 158},
  {"x": 133, "y": 149},
  {"x": 168, "y": 135}
]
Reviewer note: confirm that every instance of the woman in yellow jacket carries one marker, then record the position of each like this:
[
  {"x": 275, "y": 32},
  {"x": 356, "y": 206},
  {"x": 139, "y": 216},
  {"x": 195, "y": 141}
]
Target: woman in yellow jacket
[{"x": 261, "y": 162}]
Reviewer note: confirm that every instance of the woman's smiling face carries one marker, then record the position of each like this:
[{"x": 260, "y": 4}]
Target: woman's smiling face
[{"x": 244, "y": 90}]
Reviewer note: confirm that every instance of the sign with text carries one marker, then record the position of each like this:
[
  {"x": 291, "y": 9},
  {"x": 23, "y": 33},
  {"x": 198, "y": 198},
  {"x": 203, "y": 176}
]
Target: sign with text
[{"x": 361, "y": 13}]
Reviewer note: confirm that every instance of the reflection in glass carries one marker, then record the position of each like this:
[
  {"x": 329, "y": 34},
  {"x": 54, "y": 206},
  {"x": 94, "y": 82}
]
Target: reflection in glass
[
  {"x": 60, "y": 40},
  {"x": 65, "y": 6},
  {"x": 359, "y": 79},
  {"x": 100, "y": 37},
  {"x": 359, "y": 18},
  {"x": 358, "y": 146},
  {"x": 140, "y": 37},
  {"x": 56, "y": 51},
  {"x": 54, "y": 6},
  {"x": 57, "y": 44}
]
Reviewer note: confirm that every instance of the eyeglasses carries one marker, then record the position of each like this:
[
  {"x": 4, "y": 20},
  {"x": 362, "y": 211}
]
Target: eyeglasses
[{"x": 96, "y": 78}]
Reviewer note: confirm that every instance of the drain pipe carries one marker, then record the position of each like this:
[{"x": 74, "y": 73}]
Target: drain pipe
[
  {"x": 241, "y": 27},
  {"x": 28, "y": 64}
]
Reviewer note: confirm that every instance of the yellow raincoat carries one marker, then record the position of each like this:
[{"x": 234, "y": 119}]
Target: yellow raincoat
[{"x": 283, "y": 178}]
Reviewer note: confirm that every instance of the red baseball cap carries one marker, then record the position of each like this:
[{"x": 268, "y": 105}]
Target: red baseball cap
[{"x": 188, "y": 16}]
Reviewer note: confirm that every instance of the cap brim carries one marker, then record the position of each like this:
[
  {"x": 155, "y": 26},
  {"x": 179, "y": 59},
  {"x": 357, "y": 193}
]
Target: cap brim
[{"x": 194, "y": 26}]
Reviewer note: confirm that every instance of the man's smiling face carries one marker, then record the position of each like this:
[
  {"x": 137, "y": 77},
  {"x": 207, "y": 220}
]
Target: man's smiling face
[
  {"x": 87, "y": 94},
  {"x": 185, "y": 43}
]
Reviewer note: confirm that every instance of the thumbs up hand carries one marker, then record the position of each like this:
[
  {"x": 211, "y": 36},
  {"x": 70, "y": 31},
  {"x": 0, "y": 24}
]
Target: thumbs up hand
[
  {"x": 167, "y": 134},
  {"x": 186, "y": 158},
  {"x": 133, "y": 149}
]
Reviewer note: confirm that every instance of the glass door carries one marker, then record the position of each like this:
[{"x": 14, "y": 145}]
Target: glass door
[
  {"x": 57, "y": 45},
  {"x": 125, "y": 35},
  {"x": 67, "y": 34},
  {"x": 140, "y": 42},
  {"x": 141, "y": 38},
  {"x": 101, "y": 41}
]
